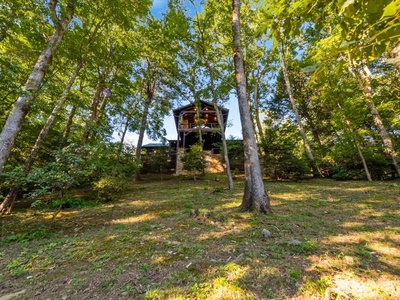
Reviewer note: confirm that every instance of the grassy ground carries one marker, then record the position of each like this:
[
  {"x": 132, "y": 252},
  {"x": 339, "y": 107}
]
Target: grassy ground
[{"x": 151, "y": 245}]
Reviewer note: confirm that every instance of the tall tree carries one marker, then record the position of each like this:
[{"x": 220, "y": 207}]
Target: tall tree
[
  {"x": 298, "y": 117},
  {"x": 207, "y": 48},
  {"x": 255, "y": 198},
  {"x": 363, "y": 75},
  {"x": 22, "y": 105},
  {"x": 6, "y": 205},
  {"x": 356, "y": 144}
]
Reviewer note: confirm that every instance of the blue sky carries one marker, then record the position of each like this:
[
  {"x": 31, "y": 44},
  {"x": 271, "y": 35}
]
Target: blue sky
[{"x": 158, "y": 7}]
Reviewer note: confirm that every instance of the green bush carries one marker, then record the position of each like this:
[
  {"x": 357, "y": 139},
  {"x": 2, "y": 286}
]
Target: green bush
[
  {"x": 194, "y": 160},
  {"x": 283, "y": 151}
]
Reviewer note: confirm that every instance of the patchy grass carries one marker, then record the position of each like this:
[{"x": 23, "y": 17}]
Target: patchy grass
[{"x": 150, "y": 245}]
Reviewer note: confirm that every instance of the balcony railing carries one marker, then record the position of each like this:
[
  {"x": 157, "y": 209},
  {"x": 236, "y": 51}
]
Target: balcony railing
[{"x": 183, "y": 126}]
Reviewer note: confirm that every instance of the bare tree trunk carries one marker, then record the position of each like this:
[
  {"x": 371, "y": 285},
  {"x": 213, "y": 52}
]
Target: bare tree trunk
[
  {"x": 395, "y": 53},
  {"x": 121, "y": 144},
  {"x": 364, "y": 83},
  {"x": 22, "y": 105},
  {"x": 197, "y": 104},
  {"x": 259, "y": 199},
  {"x": 101, "y": 112},
  {"x": 3, "y": 32},
  {"x": 40, "y": 139},
  {"x": 149, "y": 97},
  {"x": 247, "y": 201},
  {"x": 67, "y": 129},
  {"x": 93, "y": 111},
  {"x": 353, "y": 137},
  {"x": 221, "y": 126},
  {"x": 219, "y": 118},
  {"x": 6, "y": 205},
  {"x": 260, "y": 132},
  {"x": 311, "y": 123},
  {"x": 307, "y": 147}
]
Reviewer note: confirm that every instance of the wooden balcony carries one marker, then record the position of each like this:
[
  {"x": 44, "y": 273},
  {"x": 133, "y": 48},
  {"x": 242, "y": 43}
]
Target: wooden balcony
[{"x": 193, "y": 127}]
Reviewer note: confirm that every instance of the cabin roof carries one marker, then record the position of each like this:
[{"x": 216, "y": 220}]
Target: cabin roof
[
  {"x": 154, "y": 145},
  {"x": 207, "y": 108}
]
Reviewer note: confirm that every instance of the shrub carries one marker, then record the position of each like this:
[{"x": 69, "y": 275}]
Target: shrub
[{"x": 194, "y": 160}]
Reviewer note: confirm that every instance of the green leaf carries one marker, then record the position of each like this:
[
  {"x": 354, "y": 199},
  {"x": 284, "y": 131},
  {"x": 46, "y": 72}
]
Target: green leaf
[
  {"x": 339, "y": 67},
  {"x": 391, "y": 9},
  {"x": 345, "y": 5},
  {"x": 262, "y": 29},
  {"x": 298, "y": 4},
  {"x": 387, "y": 36},
  {"x": 346, "y": 44},
  {"x": 310, "y": 69}
]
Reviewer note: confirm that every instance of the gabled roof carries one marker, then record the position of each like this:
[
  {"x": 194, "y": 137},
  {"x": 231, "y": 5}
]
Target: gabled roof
[
  {"x": 207, "y": 106},
  {"x": 185, "y": 107}
]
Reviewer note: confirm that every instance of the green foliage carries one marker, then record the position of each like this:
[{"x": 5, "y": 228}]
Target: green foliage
[
  {"x": 73, "y": 166},
  {"x": 342, "y": 161},
  {"x": 283, "y": 151},
  {"x": 72, "y": 203},
  {"x": 108, "y": 188},
  {"x": 235, "y": 154},
  {"x": 218, "y": 189},
  {"x": 305, "y": 247},
  {"x": 194, "y": 160},
  {"x": 13, "y": 177},
  {"x": 103, "y": 160},
  {"x": 27, "y": 236},
  {"x": 156, "y": 161},
  {"x": 58, "y": 175}
]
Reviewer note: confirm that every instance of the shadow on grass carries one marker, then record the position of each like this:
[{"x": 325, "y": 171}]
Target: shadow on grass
[{"x": 147, "y": 245}]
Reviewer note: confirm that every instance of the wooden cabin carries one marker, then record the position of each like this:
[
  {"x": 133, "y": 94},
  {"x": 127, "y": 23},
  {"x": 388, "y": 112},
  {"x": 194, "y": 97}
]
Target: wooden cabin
[
  {"x": 192, "y": 120},
  {"x": 195, "y": 122}
]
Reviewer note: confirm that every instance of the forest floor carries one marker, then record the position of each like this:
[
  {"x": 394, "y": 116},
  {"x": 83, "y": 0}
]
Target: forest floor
[{"x": 185, "y": 239}]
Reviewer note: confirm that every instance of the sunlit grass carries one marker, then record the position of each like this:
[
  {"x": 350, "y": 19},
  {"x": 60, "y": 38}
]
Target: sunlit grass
[{"x": 150, "y": 245}]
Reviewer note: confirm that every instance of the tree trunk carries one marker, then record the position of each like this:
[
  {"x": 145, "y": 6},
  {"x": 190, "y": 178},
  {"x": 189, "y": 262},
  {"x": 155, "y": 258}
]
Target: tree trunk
[
  {"x": 22, "y": 105},
  {"x": 307, "y": 147},
  {"x": 40, "y": 139},
  {"x": 220, "y": 123},
  {"x": 121, "y": 144},
  {"x": 101, "y": 112},
  {"x": 364, "y": 83},
  {"x": 3, "y": 32},
  {"x": 143, "y": 124},
  {"x": 259, "y": 199},
  {"x": 395, "y": 53},
  {"x": 260, "y": 132},
  {"x": 353, "y": 137},
  {"x": 304, "y": 109},
  {"x": 8, "y": 202},
  {"x": 67, "y": 129},
  {"x": 247, "y": 201},
  {"x": 93, "y": 111},
  {"x": 197, "y": 104},
  {"x": 6, "y": 205}
]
